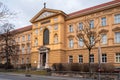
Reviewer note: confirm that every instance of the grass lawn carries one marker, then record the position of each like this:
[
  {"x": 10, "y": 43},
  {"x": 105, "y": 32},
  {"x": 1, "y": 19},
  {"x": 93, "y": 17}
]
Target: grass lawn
[{"x": 35, "y": 72}]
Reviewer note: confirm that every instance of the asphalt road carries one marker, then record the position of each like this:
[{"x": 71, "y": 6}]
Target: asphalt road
[{"x": 10, "y": 76}]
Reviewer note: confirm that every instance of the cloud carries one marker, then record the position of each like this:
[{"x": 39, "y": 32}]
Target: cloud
[{"x": 26, "y": 9}]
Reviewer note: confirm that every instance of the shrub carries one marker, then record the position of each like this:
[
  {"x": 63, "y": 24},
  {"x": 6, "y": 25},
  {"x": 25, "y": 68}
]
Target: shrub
[
  {"x": 8, "y": 66},
  {"x": 1, "y": 65},
  {"x": 107, "y": 67},
  {"x": 75, "y": 67}
]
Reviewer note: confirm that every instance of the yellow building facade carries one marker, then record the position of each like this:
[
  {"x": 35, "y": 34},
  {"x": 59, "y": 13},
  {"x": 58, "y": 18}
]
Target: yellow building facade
[{"x": 53, "y": 36}]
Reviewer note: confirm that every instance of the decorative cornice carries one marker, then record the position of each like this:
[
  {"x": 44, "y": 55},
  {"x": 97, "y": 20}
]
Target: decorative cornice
[
  {"x": 116, "y": 29},
  {"x": 103, "y": 31}
]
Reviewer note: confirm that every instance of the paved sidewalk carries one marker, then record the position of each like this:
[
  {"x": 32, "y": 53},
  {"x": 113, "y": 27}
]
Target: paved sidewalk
[{"x": 45, "y": 77}]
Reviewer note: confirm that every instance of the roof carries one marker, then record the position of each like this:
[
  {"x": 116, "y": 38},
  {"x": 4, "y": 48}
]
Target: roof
[
  {"x": 23, "y": 29},
  {"x": 111, "y": 3}
]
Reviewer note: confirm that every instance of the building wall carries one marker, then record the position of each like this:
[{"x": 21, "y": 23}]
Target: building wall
[{"x": 60, "y": 51}]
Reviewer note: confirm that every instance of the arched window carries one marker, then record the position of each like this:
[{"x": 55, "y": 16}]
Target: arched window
[
  {"x": 46, "y": 37},
  {"x": 55, "y": 38}
]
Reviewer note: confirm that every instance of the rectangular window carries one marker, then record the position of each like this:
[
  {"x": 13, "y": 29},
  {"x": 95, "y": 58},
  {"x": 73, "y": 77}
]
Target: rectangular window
[
  {"x": 103, "y": 21},
  {"x": 104, "y": 58},
  {"x": 92, "y": 42},
  {"x": 117, "y": 18},
  {"x": 117, "y": 37},
  {"x": 70, "y": 59},
  {"x": 91, "y": 58},
  {"x": 22, "y": 61},
  {"x": 36, "y": 42},
  {"x": 28, "y": 49},
  {"x": 80, "y": 59},
  {"x": 80, "y": 42},
  {"x": 36, "y": 31},
  {"x": 18, "y": 39},
  {"x": 118, "y": 57},
  {"x": 27, "y": 60},
  {"x": 104, "y": 39},
  {"x": 23, "y": 38},
  {"x": 23, "y": 49},
  {"x": 71, "y": 43},
  {"x": 70, "y": 28},
  {"x": 29, "y": 37},
  {"x": 80, "y": 27},
  {"x": 56, "y": 27},
  {"x": 91, "y": 24}
]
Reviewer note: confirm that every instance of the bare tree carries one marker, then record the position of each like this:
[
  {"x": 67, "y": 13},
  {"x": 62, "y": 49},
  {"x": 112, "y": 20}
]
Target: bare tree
[
  {"x": 88, "y": 34},
  {"x": 9, "y": 48},
  {"x": 5, "y": 13}
]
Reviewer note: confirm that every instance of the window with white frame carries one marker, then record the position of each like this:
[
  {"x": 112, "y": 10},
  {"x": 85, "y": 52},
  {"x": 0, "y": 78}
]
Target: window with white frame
[
  {"x": 117, "y": 18},
  {"x": 71, "y": 43},
  {"x": 18, "y": 39},
  {"x": 23, "y": 38},
  {"x": 103, "y": 21},
  {"x": 80, "y": 57},
  {"x": 70, "y": 59},
  {"x": 117, "y": 57},
  {"x": 56, "y": 38},
  {"x": 80, "y": 26},
  {"x": 104, "y": 39},
  {"x": 80, "y": 42},
  {"x": 91, "y": 24},
  {"x": 92, "y": 42},
  {"x": 36, "y": 42},
  {"x": 70, "y": 28},
  {"x": 28, "y": 48},
  {"x": 22, "y": 61},
  {"x": 92, "y": 58},
  {"x": 56, "y": 27},
  {"x": 29, "y": 37},
  {"x": 104, "y": 58},
  {"x": 36, "y": 31},
  {"x": 117, "y": 37},
  {"x": 27, "y": 60},
  {"x": 23, "y": 49}
]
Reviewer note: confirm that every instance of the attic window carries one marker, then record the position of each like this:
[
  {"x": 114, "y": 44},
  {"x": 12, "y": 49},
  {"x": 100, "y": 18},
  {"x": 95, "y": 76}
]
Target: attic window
[{"x": 45, "y": 22}]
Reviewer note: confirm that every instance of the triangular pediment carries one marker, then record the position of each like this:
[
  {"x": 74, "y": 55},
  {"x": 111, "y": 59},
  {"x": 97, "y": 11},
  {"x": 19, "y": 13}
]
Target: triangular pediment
[{"x": 45, "y": 13}]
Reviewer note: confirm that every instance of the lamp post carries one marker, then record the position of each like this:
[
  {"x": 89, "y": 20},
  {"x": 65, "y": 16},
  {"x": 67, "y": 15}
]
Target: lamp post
[{"x": 99, "y": 61}]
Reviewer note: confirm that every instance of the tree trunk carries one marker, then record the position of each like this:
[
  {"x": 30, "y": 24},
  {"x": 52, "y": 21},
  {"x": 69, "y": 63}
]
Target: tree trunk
[{"x": 89, "y": 63}]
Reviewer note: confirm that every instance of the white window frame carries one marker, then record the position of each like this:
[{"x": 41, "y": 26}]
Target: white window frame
[
  {"x": 104, "y": 39},
  {"x": 80, "y": 58},
  {"x": 104, "y": 58},
  {"x": 117, "y": 37},
  {"x": 70, "y": 28},
  {"x": 36, "y": 42},
  {"x": 117, "y": 18},
  {"x": 91, "y": 58},
  {"x": 23, "y": 38},
  {"x": 56, "y": 27},
  {"x": 29, "y": 37},
  {"x": 91, "y": 24},
  {"x": 80, "y": 27},
  {"x": 56, "y": 39},
  {"x": 80, "y": 42},
  {"x": 103, "y": 21},
  {"x": 71, "y": 43},
  {"x": 23, "y": 49},
  {"x": 117, "y": 57},
  {"x": 70, "y": 59}
]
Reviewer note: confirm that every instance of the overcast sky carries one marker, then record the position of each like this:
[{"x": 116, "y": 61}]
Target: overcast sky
[{"x": 27, "y": 9}]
